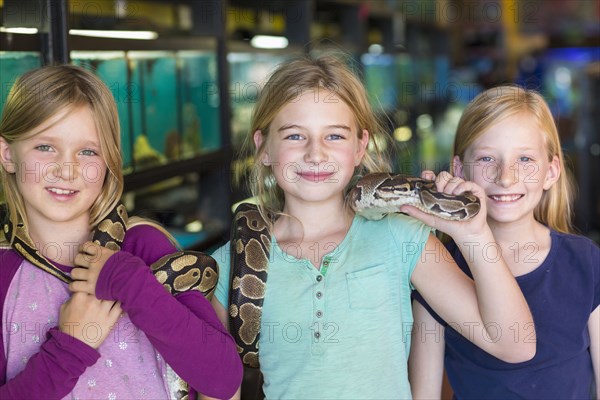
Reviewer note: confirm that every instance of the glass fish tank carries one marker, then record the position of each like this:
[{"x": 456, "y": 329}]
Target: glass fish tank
[
  {"x": 248, "y": 73},
  {"x": 405, "y": 77},
  {"x": 155, "y": 121},
  {"x": 380, "y": 80},
  {"x": 168, "y": 102},
  {"x": 12, "y": 65},
  {"x": 111, "y": 67},
  {"x": 200, "y": 102}
]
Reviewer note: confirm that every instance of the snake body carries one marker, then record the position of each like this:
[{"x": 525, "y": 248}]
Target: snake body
[
  {"x": 178, "y": 272},
  {"x": 374, "y": 196},
  {"x": 378, "y": 194},
  {"x": 250, "y": 246}
]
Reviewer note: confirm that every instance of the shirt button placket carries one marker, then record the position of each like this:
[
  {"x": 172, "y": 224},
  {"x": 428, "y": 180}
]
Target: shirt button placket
[{"x": 319, "y": 295}]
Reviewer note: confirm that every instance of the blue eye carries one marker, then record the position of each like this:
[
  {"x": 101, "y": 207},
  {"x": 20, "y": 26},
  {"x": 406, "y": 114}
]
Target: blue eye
[
  {"x": 335, "y": 136},
  {"x": 525, "y": 159},
  {"x": 43, "y": 147},
  {"x": 294, "y": 136},
  {"x": 88, "y": 152},
  {"x": 485, "y": 159}
]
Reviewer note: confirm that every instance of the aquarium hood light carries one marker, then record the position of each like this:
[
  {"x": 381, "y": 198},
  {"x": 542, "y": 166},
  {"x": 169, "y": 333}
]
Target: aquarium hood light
[
  {"x": 26, "y": 31},
  {"x": 139, "y": 35},
  {"x": 269, "y": 42}
]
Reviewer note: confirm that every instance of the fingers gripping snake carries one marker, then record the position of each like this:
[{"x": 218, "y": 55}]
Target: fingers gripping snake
[
  {"x": 177, "y": 272},
  {"x": 378, "y": 194},
  {"x": 373, "y": 196}
]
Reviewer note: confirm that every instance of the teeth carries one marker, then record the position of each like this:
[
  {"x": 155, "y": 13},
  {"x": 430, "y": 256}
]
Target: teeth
[
  {"x": 506, "y": 197},
  {"x": 61, "y": 191}
]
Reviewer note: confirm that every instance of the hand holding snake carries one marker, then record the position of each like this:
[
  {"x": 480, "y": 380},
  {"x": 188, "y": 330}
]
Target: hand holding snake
[
  {"x": 89, "y": 262},
  {"x": 452, "y": 186}
]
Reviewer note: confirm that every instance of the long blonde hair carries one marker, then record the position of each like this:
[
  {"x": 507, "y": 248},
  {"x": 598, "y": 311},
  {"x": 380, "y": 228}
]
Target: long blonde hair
[
  {"x": 493, "y": 105},
  {"x": 285, "y": 84},
  {"x": 34, "y": 99}
]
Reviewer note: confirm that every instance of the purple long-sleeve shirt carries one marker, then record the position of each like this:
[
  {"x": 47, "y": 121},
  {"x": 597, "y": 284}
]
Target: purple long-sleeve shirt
[{"x": 184, "y": 329}]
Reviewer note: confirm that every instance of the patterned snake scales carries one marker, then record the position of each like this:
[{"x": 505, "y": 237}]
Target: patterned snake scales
[
  {"x": 374, "y": 196},
  {"x": 178, "y": 272}
]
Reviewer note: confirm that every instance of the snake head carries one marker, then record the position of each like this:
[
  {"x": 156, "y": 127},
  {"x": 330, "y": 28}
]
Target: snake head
[{"x": 378, "y": 194}]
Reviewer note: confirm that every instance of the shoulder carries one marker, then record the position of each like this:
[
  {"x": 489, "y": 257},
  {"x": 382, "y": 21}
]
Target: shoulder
[
  {"x": 223, "y": 258},
  {"x": 580, "y": 254},
  {"x": 576, "y": 247},
  {"x": 147, "y": 242},
  {"x": 575, "y": 240},
  {"x": 222, "y": 254},
  {"x": 9, "y": 262},
  {"x": 7, "y": 254},
  {"x": 406, "y": 229}
]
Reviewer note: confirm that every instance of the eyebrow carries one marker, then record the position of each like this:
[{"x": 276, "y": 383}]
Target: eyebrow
[
  {"x": 294, "y": 126},
  {"x": 91, "y": 144},
  {"x": 50, "y": 139},
  {"x": 487, "y": 148}
]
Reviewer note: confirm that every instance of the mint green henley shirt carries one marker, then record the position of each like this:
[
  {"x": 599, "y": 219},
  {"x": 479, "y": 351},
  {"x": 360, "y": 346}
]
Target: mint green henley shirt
[{"x": 344, "y": 334}]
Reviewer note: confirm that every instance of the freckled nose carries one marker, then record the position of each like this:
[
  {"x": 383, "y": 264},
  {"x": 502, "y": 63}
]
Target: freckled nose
[
  {"x": 506, "y": 175},
  {"x": 66, "y": 169},
  {"x": 315, "y": 153}
]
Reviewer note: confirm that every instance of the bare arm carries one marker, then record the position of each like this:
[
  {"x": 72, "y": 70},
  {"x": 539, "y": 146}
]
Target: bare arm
[
  {"x": 426, "y": 361},
  {"x": 594, "y": 329},
  {"x": 490, "y": 312}
]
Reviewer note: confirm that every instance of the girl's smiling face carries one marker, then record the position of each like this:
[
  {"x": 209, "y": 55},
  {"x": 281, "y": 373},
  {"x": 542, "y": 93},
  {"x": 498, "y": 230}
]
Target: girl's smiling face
[
  {"x": 59, "y": 171},
  {"x": 510, "y": 162},
  {"x": 313, "y": 147}
]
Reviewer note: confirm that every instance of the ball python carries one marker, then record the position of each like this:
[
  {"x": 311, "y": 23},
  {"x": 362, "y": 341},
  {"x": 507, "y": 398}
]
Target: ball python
[
  {"x": 378, "y": 194},
  {"x": 250, "y": 247},
  {"x": 177, "y": 272},
  {"x": 373, "y": 196}
]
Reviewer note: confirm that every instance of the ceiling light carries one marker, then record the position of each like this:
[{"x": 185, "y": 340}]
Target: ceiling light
[
  {"x": 26, "y": 31},
  {"x": 139, "y": 35},
  {"x": 97, "y": 55},
  {"x": 269, "y": 42}
]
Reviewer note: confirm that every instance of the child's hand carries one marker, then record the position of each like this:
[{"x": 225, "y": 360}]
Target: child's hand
[
  {"x": 89, "y": 263},
  {"x": 452, "y": 185},
  {"x": 88, "y": 319}
]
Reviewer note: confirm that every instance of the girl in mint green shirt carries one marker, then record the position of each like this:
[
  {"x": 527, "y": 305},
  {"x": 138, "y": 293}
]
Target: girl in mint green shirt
[{"x": 336, "y": 319}]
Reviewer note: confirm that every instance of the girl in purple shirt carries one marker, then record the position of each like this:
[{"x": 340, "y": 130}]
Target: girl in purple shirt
[{"x": 113, "y": 332}]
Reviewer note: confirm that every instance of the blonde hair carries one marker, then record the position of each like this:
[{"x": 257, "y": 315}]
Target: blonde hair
[
  {"x": 286, "y": 84},
  {"x": 40, "y": 94},
  {"x": 496, "y": 104}
]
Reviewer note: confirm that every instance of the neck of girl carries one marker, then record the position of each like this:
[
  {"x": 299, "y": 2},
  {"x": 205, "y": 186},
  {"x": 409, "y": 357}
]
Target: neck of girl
[
  {"x": 59, "y": 243},
  {"x": 310, "y": 221},
  {"x": 525, "y": 244}
]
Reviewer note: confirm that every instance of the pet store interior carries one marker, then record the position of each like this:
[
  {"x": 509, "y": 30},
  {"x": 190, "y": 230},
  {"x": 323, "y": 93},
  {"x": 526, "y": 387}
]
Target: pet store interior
[{"x": 185, "y": 75}]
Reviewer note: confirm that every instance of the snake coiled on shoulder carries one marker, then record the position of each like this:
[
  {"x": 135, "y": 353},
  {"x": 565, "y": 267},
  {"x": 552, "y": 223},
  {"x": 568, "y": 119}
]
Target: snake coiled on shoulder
[{"x": 178, "y": 272}]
